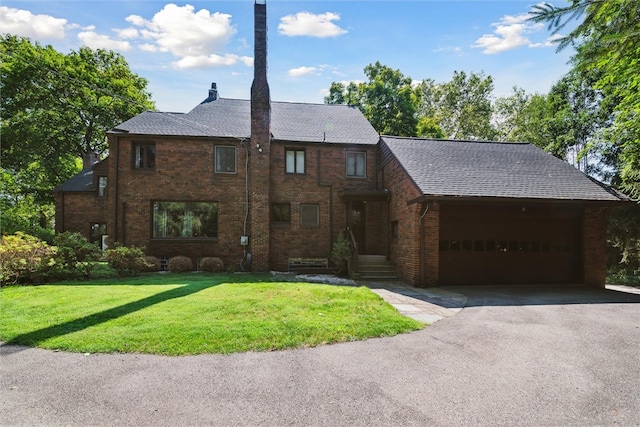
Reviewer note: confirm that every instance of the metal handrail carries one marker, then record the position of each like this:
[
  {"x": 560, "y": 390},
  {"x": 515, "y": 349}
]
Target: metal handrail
[{"x": 353, "y": 261}]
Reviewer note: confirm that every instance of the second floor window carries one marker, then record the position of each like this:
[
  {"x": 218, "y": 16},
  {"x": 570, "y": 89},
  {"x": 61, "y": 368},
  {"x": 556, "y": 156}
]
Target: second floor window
[
  {"x": 144, "y": 155},
  {"x": 294, "y": 161},
  {"x": 225, "y": 158},
  {"x": 102, "y": 186},
  {"x": 356, "y": 164}
]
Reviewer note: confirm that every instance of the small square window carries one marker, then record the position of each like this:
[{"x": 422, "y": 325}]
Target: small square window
[
  {"x": 294, "y": 161},
  {"x": 356, "y": 164},
  {"x": 144, "y": 155},
  {"x": 281, "y": 213},
  {"x": 102, "y": 186},
  {"x": 309, "y": 215},
  {"x": 225, "y": 159}
]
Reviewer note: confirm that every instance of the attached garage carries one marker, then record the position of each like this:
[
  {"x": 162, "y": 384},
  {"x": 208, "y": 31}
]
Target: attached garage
[
  {"x": 510, "y": 244},
  {"x": 485, "y": 213}
]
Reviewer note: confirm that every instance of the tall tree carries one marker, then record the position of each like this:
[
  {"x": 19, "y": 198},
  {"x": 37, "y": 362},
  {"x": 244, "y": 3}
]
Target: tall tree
[
  {"x": 462, "y": 106},
  {"x": 56, "y": 108},
  {"x": 607, "y": 39},
  {"x": 387, "y": 100}
]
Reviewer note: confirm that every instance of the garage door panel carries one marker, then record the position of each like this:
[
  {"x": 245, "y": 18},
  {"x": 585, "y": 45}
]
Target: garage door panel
[{"x": 507, "y": 249}]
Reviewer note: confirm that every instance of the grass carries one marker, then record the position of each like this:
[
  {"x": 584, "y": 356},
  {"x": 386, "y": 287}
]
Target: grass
[{"x": 182, "y": 314}]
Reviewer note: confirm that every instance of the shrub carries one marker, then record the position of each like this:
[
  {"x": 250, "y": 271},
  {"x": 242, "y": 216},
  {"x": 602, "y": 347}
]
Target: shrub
[
  {"x": 76, "y": 254},
  {"x": 24, "y": 259},
  {"x": 180, "y": 264},
  {"x": 127, "y": 261},
  {"x": 153, "y": 263},
  {"x": 211, "y": 264},
  {"x": 341, "y": 254}
]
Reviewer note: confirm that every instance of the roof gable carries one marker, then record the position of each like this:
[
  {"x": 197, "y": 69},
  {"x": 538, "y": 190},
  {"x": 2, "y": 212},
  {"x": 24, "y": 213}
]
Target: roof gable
[
  {"x": 493, "y": 169},
  {"x": 223, "y": 117}
]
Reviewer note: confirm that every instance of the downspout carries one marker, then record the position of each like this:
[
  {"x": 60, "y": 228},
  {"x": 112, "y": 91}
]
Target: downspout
[
  {"x": 115, "y": 192},
  {"x": 422, "y": 250}
]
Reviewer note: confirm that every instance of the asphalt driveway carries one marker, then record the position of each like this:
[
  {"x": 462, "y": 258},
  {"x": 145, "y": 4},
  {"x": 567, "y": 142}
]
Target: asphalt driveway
[{"x": 512, "y": 356}]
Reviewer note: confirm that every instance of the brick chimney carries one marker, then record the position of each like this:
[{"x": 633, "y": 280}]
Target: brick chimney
[
  {"x": 213, "y": 94},
  {"x": 90, "y": 159},
  {"x": 259, "y": 153}
]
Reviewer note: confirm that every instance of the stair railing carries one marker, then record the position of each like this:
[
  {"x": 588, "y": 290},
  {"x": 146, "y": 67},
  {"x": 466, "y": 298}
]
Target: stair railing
[{"x": 353, "y": 260}]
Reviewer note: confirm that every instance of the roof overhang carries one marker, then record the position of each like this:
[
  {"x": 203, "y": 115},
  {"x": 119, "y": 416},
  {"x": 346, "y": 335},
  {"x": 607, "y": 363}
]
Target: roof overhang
[{"x": 517, "y": 200}]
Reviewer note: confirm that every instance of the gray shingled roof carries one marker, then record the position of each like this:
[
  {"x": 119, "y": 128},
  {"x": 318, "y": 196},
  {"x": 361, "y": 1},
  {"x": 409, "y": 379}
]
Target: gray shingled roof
[
  {"x": 81, "y": 182},
  {"x": 493, "y": 169},
  {"x": 231, "y": 118}
]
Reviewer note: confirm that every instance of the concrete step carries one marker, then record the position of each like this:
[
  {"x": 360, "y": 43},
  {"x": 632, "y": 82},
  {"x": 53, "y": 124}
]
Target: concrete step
[{"x": 375, "y": 267}]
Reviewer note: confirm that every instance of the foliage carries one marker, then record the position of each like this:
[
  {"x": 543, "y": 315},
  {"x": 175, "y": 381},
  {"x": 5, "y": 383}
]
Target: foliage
[
  {"x": 24, "y": 259},
  {"x": 387, "y": 100},
  {"x": 127, "y": 261},
  {"x": 56, "y": 108},
  {"x": 341, "y": 254},
  {"x": 607, "y": 41},
  {"x": 624, "y": 241},
  {"x": 76, "y": 254},
  {"x": 153, "y": 263},
  {"x": 462, "y": 106},
  {"x": 180, "y": 264},
  {"x": 211, "y": 264},
  {"x": 179, "y": 314}
]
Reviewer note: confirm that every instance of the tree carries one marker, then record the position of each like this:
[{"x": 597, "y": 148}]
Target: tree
[
  {"x": 509, "y": 115},
  {"x": 55, "y": 109},
  {"x": 461, "y": 107},
  {"x": 607, "y": 39},
  {"x": 387, "y": 100}
]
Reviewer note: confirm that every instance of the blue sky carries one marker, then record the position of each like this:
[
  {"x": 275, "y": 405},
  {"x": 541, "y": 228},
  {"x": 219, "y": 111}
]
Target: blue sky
[{"x": 182, "y": 47}]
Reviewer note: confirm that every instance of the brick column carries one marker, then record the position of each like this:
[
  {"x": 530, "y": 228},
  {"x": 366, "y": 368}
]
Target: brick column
[
  {"x": 431, "y": 246},
  {"x": 259, "y": 153},
  {"x": 594, "y": 246}
]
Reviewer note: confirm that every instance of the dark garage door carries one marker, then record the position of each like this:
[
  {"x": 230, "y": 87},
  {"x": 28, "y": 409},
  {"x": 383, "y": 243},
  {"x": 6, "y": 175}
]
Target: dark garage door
[{"x": 509, "y": 245}]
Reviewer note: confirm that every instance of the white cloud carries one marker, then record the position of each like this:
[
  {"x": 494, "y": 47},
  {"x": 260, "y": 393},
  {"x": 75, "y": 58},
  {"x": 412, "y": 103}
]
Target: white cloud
[
  {"x": 184, "y": 32},
  {"x": 509, "y": 33},
  {"x": 213, "y": 60},
  {"x": 308, "y": 24},
  {"x": 98, "y": 41},
  {"x": 549, "y": 42},
  {"x": 302, "y": 71},
  {"x": 127, "y": 33},
  {"x": 24, "y": 23}
]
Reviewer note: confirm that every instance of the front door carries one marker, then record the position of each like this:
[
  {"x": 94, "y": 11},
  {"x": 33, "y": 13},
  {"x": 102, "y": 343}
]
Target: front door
[{"x": 357, "y": 225}]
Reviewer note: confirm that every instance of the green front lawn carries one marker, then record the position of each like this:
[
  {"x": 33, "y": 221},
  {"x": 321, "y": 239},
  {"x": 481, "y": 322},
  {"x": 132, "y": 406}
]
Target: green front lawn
[{"x": 180, "y": 314}]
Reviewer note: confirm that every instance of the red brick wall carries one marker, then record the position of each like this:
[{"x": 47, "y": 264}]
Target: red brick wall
[
  {"x": 184, "y": 172},
  {"x": 76, "y": 212},
  {"x": 405, "y": 249},
  {"x": 594, "y": 246},
  {"x": 430, "y": 249},
  {"x": 322, "y": 184}
]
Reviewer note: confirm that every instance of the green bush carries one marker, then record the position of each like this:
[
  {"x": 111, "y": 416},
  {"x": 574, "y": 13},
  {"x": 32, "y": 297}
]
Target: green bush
[
  {"x": 341, "y": 254},
  {"x": 180, "y": 264},
  {"x": 153, "y": 263},
  {"x": 127, "y": 261},
  {"x": 24, "y": 259},
  {"x": 76, "y": 254},
  {"x": 211, "y": 264}
]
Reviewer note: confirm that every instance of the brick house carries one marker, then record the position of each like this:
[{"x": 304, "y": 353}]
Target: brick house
[{"x": 270, "y": 185}]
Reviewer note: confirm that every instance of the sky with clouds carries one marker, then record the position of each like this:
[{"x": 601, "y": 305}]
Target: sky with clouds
[{"x": 182, "y": 47}]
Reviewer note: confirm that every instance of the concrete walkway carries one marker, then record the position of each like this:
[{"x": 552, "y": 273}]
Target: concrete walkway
[{"x": 426, "y": 305}]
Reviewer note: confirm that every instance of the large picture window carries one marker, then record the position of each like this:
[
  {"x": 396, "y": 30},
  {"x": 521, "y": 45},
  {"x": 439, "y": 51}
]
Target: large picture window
[
  {"x": 294, "y": 161},
  {"x": 185, "y": 220},
  {"x": 144, "y": 155},
  {"x": 225, "y": 159},
  {"x": 356, "y": 164}
]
